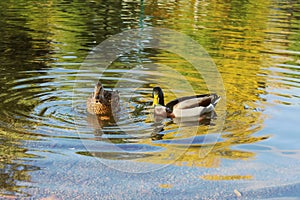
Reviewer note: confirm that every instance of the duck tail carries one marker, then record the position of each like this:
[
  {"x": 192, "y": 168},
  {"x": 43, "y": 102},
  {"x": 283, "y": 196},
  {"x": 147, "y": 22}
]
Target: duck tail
[{"x": 215, "y": 99}]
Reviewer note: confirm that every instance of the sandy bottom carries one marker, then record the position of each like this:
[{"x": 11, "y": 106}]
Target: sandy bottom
[{"x": 73, "y": 176}]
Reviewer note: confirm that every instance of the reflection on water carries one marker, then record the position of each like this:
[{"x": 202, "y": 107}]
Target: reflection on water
[
  {"x": 254, "y": 44},
  {"x": 233, "y": 177},
  {"x": 13, "y": 174}
]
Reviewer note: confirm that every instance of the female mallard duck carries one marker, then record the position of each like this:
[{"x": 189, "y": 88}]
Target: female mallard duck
[
  {"x": 184, "y": 107},
  {"x": 103, "y": 102}
]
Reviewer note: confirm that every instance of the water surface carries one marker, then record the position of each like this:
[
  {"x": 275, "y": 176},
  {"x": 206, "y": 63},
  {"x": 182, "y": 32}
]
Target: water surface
[{"x": 51, "y": 146}]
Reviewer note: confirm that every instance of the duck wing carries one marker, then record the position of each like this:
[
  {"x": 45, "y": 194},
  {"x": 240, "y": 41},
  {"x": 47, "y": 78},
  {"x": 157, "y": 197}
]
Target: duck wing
[
  {"x": 110, "y": 97},
  {"x": 203, "y": 100},
  {"x": 192, "y": 103}
]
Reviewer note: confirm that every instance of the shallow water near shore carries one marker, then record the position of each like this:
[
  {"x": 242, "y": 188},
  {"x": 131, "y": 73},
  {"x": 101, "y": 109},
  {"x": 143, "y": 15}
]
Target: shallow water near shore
[{"x": 51, "y": 147}]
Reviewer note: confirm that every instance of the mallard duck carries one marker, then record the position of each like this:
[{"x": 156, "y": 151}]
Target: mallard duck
[
  {"x": 103, "y": 102},
  {"x": 192, "y": 107}
]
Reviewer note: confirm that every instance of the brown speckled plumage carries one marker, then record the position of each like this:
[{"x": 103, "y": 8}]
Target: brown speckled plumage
[{"x": 103, "y": 102}]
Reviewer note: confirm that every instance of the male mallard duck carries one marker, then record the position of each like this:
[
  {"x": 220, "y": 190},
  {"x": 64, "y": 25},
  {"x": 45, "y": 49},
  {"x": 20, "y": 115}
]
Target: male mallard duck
[
  {"x": 184, "y": 107},
  {"x": 102, "y": 102}
]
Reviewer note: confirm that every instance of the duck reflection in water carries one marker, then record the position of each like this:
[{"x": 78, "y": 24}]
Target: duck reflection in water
[{"x": 100, "y": 121}]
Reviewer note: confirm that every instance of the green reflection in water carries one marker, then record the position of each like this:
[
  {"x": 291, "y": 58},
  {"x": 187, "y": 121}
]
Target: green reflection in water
[{"x": 12, "y": 171}]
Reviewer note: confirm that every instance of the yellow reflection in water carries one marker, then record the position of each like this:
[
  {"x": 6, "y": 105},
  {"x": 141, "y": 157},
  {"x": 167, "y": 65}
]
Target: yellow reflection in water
[
  {"x": 240, "y": 124},
  {"x": 225, "y": 178},
  {"x": 166, "y": 186},
  {"x": 234, "y": 34},
  {"x": 208, "y": 156},
  {"x": 12, "y": 172}
]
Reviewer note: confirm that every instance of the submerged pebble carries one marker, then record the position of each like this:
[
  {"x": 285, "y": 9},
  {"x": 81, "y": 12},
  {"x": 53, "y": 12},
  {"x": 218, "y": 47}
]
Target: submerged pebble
[{"x": 237, "y": 193}]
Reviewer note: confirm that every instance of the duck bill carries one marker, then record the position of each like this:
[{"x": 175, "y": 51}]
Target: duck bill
[{"x": 155, "y": 100}]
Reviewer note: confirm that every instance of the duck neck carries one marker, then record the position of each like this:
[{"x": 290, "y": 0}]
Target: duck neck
[
  {"x": 98, "y": 91},
  {"x": 161, "y": 99}
]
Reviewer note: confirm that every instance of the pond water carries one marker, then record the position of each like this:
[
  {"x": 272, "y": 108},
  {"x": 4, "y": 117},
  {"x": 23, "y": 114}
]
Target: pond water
[{"x": 52, "y": 148}]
